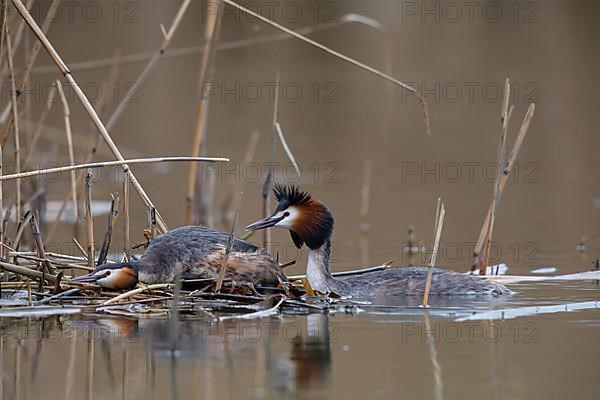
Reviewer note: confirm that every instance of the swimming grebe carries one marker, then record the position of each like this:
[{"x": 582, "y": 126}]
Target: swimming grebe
[
  {"x": 195, "y": 252},
  {"x": 310, "y": 222}
]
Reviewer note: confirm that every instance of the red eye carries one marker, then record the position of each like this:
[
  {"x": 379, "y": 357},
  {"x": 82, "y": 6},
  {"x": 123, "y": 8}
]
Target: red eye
[
  {"x": 286, "y": 214},
  {"x": 108, "y": 272}
]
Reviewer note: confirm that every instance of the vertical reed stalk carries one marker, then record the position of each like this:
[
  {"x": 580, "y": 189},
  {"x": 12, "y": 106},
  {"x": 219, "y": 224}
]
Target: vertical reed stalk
[
  {"x": 15, "y": 114},
  {"x": 89, "y": 218},
  {"x": 439, "y": 224},
  {"x": 126, "y": 242},
  {"x": 67, "y": 117},
  {"x": 501, "y": 167},
  {"x": 112, "y": 221},
  {"x": 266, "y": 191},
  {"x": 230, "y": 241},
  {"x": 504, "y": 179},
  {"x": 211, "y": 35}
]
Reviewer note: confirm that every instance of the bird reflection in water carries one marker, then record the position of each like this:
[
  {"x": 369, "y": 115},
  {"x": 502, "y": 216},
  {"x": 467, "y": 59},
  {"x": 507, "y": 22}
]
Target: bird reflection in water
[{"x": 121, "y": 357}]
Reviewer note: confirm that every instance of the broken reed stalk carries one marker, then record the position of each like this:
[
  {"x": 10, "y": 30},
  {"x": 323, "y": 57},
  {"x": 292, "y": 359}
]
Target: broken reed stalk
[
  {"x": 505, "y": 175},
  {"x": 124, "y": 102},
  {"x": 15, "y": 124},
  {"x": 342, "y": 57},
  {"x": 211, "y": 35},
  {"x": 287, "y": 149},
  {"x": 269, "y": 179},
  {"x": 126, "y": 242},
  {"x": 103, "y": 164},
  {"x": 501, "y": 167},
  {"x": 31, "y": 59},
  {"x": 80, "y": 248},
  {"x": 230, "y": 241},
  {"x": 112, "y": 221},
  {"x": 89, "y": 218},
  {"x": 85, "y": 103},
  {"x": 67, "y": 118},
  {"x": 39, "y": 244},
  {"x": 439, "y": 224}
]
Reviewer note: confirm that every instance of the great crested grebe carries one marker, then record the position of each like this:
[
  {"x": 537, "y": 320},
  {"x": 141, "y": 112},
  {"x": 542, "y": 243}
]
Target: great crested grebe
[
  {"x": 310, "y": 222},
  {"x": 195, "y": 252}
]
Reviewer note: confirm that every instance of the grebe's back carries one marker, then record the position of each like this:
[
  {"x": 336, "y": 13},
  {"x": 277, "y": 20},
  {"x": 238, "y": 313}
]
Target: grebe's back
[
  {"x": 411, "y": 281},
  {"x": 198, "y": 252}
]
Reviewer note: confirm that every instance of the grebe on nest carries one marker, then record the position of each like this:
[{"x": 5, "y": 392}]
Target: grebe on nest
[
  {"x": 310, "y": 222},
  {"x": 195, "y": 252}
]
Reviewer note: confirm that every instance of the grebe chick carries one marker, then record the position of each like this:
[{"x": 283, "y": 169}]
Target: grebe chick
[
  {"x": 310, "y": 222},
  {"x": 195, "y": 252}
]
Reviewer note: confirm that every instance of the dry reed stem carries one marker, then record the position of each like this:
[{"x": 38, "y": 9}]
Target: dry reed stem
[
  {"x": 67, "y": 118},
  {"x": 439, "y": 224},
  {"x": 39, "y": 244},
  {"x": 95, "y": 143},
  {"x": 500, "y": 162},
  {"x": 135, "y": 291},
  {"x": 15, "y": 114},
  {"x": 505, "y": 173},
  {"x": 31, "y": 59},
  {"x": 80, "y": 248},
  {"x": 342, "y": 57},
  {"x": 266, "y": 190},
  {"x": 124, "y": 102},
  {"x": 28, "y": 272},
  {"x": 112, "y": 221},
  {"x": 126, "y": 232},
  {"x": 85, "y": 103},
  {"x": 287, "y": 149},
  {"x": 230, "y": 241},
  {"x": 212, "y": 30},
  {"x": 103, "y": 164},
  {"x": 89, "y": 218}
]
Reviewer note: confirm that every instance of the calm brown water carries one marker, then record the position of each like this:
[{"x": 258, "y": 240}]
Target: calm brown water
[{"x": 337, "y": 119}]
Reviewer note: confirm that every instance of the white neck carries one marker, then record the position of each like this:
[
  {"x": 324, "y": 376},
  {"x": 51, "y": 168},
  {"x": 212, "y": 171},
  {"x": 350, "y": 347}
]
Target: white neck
[{"x": 317, "y": 270}]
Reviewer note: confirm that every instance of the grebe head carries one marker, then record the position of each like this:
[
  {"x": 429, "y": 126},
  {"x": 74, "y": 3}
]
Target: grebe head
[
  {"x": 118, "y": 276},
  {"x": 309, "y": 221}
]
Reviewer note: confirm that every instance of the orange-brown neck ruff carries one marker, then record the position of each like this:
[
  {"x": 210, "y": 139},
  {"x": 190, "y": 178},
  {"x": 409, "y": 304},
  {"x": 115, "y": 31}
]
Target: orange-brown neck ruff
[{"x": 313, "y": 225}]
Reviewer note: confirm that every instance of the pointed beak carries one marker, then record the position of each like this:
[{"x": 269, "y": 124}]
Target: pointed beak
[
  {"x": 89, "y": 278},
  {"x": 264, "y": 223}
]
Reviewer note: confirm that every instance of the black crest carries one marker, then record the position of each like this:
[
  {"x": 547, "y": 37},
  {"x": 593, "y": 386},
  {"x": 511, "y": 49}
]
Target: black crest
[{"x": 290, "y": 196}]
